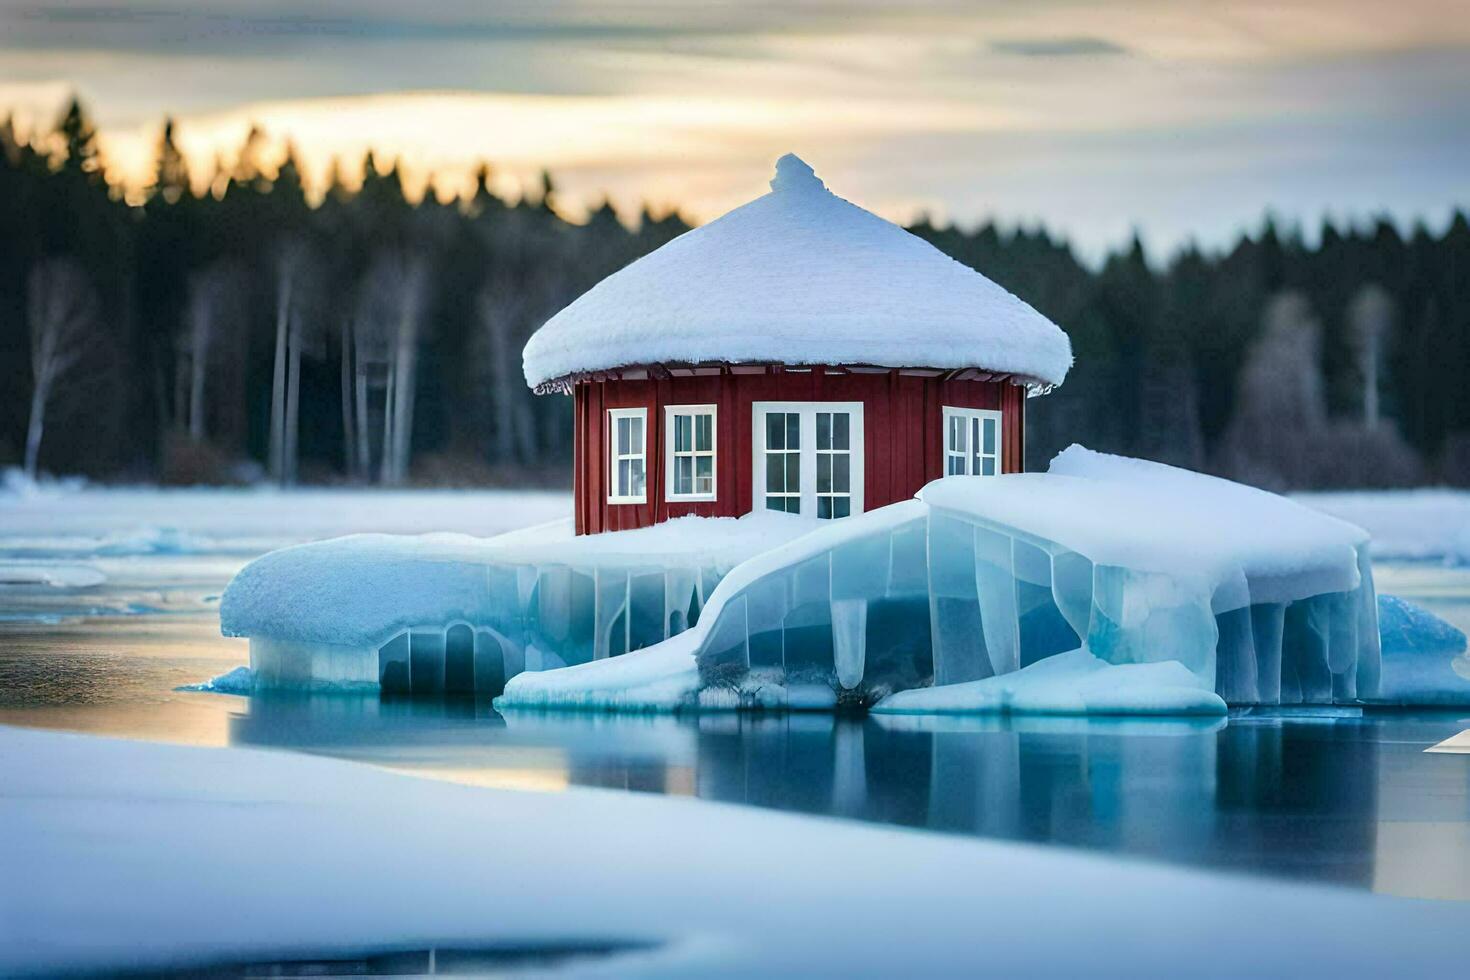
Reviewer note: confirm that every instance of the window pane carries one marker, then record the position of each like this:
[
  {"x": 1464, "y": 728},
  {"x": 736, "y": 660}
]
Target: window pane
[
  {"x": 681, "y": 433},
  {"x": 824, "y": 430},
  {"x": 775, "y": 503},
  {"x": 988, "y": 466},
  {"x": 775, "y": 472},
  {"x": 704, "y": 433},
  {"x": 824, "y": 507},
  {"x": 775, "y": 430},
  {"x": 793, "y": 472},
  {"x": 841, "y": 506},
  {"x": 637, "y": 444},
  {"x": 638, "y": 485},
  {"x": 793, "y": 430},
  {"x": 704, "y": 474},
  {"x": 990, "y": 428},
  {"x": 956, "y": 466},
  {"x": 824, "y": 472},
  {"x": 839, "y": 431},
  {"x": 622, "y": 442},
  {"x": 620, "y": 487},
  {"x": 956, "y": 434},
  {"x": 841, "y": 473},
  {"x": 683, "y": 474},
  {"x": 974, "y": 426}
]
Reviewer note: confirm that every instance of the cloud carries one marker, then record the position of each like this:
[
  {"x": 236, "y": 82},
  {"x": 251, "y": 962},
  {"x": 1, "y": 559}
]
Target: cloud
[{"x": 1057, "y": 47}]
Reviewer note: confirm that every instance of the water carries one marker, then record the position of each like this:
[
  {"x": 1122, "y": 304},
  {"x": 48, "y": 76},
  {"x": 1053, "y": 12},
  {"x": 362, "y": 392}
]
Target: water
[{"x": 1337, "y": 797}]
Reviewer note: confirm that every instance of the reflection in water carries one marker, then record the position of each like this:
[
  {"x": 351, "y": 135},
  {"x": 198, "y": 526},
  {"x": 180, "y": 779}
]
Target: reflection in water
[{"x": 1302, "y": 797}]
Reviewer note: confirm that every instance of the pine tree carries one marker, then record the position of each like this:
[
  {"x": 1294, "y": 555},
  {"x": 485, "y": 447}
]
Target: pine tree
[
  {"x": 77, "y": 144},
  {"x": 171, "y": 173}
]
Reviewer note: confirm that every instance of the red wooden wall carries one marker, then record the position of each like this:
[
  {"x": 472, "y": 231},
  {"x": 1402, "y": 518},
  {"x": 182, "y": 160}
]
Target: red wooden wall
[{"x": 902, "y": 433}]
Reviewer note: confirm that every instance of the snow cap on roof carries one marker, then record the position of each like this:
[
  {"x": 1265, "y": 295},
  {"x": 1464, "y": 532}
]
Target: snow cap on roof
[{"x": 798, "y": 276}]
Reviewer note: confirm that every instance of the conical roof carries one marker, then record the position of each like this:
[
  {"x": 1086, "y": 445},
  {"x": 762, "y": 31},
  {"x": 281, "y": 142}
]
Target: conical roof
[{"x": 798, "y": 276}]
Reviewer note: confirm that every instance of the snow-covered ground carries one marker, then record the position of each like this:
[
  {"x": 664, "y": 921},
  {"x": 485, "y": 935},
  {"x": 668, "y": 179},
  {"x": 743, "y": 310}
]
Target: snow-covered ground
[
  {"x": 1428, "y": 525},
  {"x": 56, "y": 520},
  {"x": 1406, "y": 525},
  {"x": 127, "y": 854}
]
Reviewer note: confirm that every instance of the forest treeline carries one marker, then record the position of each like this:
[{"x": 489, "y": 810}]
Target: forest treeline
[{"x": 251, "y": 331}]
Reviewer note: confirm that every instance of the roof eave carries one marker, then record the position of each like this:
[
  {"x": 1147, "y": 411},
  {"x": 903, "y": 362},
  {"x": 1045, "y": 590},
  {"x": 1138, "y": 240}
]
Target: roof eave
[{"x": 664, "y": 370}]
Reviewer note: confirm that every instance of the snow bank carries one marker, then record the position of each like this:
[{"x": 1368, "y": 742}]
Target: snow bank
[
  {"x": 1406, "y": 525},
  {"x": 371, "y": 608},
  {"x": 799, "y": 276},
  {"x": 135, "y": 856},
  {"x": 1073, "y": 683}
]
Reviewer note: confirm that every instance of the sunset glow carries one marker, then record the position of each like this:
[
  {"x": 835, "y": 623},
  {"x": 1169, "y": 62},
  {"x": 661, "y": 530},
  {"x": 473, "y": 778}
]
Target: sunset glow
[{"x": 1094, "y": 120}]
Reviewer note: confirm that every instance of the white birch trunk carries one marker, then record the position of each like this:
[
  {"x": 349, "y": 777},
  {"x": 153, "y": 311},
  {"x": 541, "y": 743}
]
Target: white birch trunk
[
  {"x": 278, "y": 383},
  {"x": 290, "y": 456},
  {"x": 349, "y": 441},
  {"x": 36, "y": 426}
]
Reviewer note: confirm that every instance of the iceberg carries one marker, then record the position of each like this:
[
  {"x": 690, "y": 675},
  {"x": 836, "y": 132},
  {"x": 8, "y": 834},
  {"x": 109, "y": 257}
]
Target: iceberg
[
  {"x": 448, "y": 612},
  {"x": 1104, "y": 585}
]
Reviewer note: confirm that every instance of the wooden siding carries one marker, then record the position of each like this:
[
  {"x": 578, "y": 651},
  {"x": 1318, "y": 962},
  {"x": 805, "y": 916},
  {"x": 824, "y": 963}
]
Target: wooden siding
[{"x": 903, "y": 433}]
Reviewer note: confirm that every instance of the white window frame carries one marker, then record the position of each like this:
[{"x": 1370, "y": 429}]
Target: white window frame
[
  {"x": 614, "y": 457},
  {"x": 807, "y": 458},
  {"x": 670, "y": 453},
  {"x": 972, "y": 425}
]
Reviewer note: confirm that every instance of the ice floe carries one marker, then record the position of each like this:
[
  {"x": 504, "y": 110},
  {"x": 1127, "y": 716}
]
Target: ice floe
[{"x": 447, "y": 612}]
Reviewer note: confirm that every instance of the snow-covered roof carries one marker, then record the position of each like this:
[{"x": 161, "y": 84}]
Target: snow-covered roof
[{"x": 799, "y": 276}]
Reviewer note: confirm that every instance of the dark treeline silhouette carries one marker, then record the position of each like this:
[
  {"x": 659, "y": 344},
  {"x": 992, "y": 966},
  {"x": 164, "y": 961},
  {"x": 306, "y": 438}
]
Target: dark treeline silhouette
[{"x": 251, "y": 332}]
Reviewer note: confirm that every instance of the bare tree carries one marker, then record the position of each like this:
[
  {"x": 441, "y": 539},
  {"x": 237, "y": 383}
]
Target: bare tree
[
  {"x": 504, "y": 305},
  {"x": 386, "y": 333},
  {"x": 210, "y": 334},
  {"x": 1370, "y": 318},
  {"x": 62, "y": 314},
  {"x": 295, "y": 329},
  {"x": 1281, "y": 407}
]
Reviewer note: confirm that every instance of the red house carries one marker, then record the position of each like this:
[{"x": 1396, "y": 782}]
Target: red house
[{"x": 797, "y": 354}]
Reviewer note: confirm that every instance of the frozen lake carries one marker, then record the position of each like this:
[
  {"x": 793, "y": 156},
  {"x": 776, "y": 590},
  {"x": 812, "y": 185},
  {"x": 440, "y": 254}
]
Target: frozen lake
[{"x": 130, "y": 614}]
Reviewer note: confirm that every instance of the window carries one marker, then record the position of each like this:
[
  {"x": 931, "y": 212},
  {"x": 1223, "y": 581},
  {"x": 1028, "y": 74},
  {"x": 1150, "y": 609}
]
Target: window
[
  {"x": 971, "y": 442},
  {"x": 834, "y": 464},
  {"x": 627, "y": 463},
  {"x": 689, "y": 454},
  {"x": 783, "y": 461},
  {"x": 808, "y": 458}
]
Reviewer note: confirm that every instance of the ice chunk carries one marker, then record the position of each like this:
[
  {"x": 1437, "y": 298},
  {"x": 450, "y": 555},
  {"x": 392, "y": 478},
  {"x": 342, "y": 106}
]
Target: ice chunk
[
  {"x": 1424, "y": 657},
  {"x": 661, "y": 679},
  {"x": 240, "y": 680},
  {"x": 1075, "y": 682},
  {"x": 1261, "y": 599},
  {"x": 443, "y": 611}
]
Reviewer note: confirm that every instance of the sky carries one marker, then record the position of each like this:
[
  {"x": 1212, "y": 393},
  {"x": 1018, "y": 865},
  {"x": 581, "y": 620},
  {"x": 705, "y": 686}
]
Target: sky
[{"x": 1178, "y": 119}]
